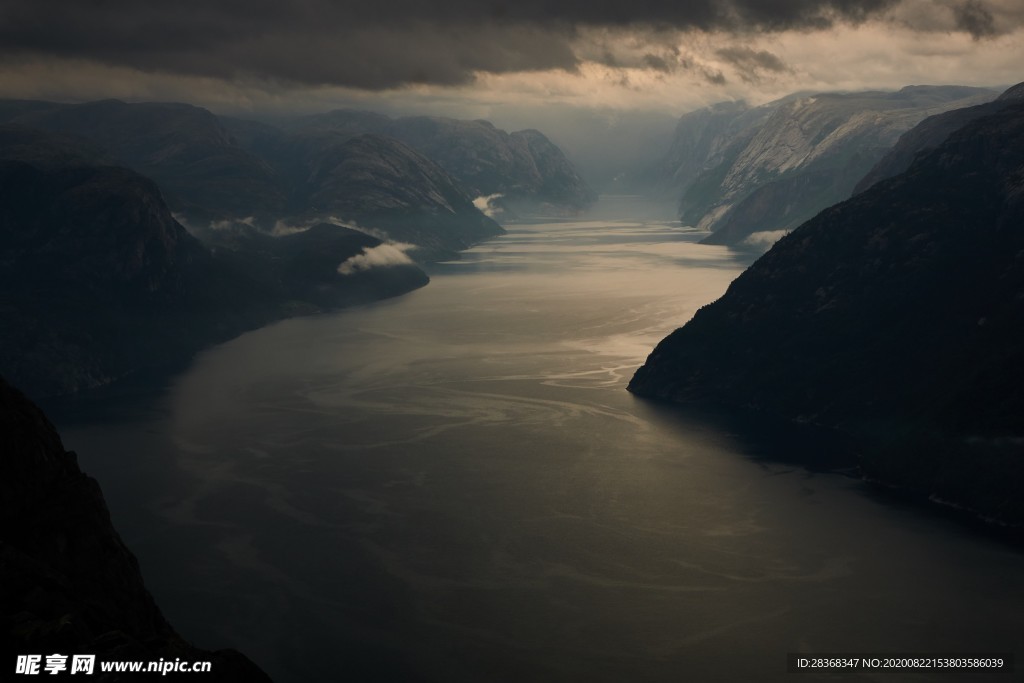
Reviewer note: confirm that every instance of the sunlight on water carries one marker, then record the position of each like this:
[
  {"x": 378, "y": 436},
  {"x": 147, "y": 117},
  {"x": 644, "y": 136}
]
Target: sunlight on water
[{"x": 455, "y": 486}]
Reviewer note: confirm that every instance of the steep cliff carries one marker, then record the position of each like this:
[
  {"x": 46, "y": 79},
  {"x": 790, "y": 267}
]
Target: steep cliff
[
  {"x": 705, "y": 140},
  {"x": 783, "y": 162},
  {"x": 896, "y": 317},
  {"x": 68, "y": 584}
]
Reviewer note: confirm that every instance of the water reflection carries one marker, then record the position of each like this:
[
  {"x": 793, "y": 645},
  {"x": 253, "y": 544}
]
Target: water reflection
[{"x": 455, "y": 486}]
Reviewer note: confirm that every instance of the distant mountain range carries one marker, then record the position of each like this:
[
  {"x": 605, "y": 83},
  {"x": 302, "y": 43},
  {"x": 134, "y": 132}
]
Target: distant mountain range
[
  {"x": 523, "y": 171},
  {"x": 896, "y": 317},
  {"x": 750, "y": 174},
  {"x": 213, "y": 169}
]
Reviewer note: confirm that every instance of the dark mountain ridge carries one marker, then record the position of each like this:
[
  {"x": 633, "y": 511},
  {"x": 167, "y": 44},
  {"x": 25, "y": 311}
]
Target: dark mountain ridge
[
  {"x": 895, "y": 317},
  {"x": 185, "y": 149},
  {"x": 99, "y": 281}
]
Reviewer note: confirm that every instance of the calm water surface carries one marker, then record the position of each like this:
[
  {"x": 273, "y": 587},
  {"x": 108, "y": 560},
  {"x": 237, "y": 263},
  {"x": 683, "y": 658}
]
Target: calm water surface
[{"x": 455, "y": 486}]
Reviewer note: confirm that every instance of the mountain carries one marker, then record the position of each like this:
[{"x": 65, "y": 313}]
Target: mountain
[
  {"x": 895, "y": 317},
  {"x": 98, "y": 280},
  {"x": 81, "y": 246},
  {"x": 704, "y": 140},
  {"x": 203, "y": 172},
  {"x": 212, "y": 170},
  {"x": 556, "y": 183},
  {"x": 322, "y": 267},
  {"x": 529, "y": 171},
  {"x": 68, "y": 583},
  {"x": 929, "y": 133},
  {"x": 378, "y": 182},
  {"x": 526, "y": 168},
  {"x": 768, "y": 169}
]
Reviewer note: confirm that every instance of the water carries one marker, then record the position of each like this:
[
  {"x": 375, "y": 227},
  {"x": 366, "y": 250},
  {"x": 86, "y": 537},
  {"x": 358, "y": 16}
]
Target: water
[{"x": 455, "y": 486}]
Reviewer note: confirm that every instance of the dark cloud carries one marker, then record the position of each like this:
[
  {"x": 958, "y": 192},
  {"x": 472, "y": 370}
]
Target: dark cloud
[
  {"x": 657, "y": 63},
  {"x": 750, "y": 63},
  {"x": 714, "y": 77},
  {"x": 974, "y": 18},
  {"x": 752, "y": 59},
  {"x": 377, "y": 43}
]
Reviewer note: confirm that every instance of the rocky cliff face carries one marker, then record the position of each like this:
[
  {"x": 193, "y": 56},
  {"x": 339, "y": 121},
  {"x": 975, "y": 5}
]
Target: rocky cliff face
[
  {"x": 778, "y": 165},
  {"x": 68, "y": 584},
  {"x": 704, "y": 140},
  {"x": 896, "y": 317}
]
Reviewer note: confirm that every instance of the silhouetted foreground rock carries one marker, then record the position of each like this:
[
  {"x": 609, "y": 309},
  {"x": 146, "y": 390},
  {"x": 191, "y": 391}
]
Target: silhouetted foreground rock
[{"x": 68, "y": 584}]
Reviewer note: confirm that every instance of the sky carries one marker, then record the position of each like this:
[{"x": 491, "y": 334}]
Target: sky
[{"x": 531, "y": 63}]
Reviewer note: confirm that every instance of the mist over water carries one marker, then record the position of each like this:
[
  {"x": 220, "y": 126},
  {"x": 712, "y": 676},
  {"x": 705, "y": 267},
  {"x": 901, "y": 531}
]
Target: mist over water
[{"x": 455, "y": 486}]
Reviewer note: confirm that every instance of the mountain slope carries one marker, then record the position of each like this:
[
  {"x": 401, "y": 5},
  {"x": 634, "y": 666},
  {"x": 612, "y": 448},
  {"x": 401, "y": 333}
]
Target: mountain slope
[
  {"x": 929, "y": 133},
  {"x": 895, "y": 316},
  {"x": 557, "y": 183},
  {"x": 82, "y": 246},
  {"x": 203, "y": 171},
  {"x": 380, "y": 183},
  {"x": 211, "y": 170},
  {"x": 68, "y": 584},
  {"x": 802, "y": 154},
  {"x": 97, "y": 280},
  {"x": 526, "y": 168},
  {"x": 706, "y": 141}
]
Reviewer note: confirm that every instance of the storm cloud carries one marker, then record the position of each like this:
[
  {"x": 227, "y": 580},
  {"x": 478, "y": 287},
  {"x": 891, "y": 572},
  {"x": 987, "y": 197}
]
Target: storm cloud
[
  {"x": 975, "y": 18},
  {"x": 751, "y": 63},
  {"x": 384, "y": 44}
]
